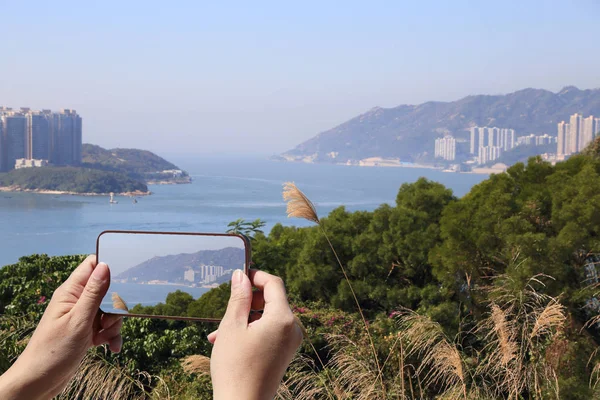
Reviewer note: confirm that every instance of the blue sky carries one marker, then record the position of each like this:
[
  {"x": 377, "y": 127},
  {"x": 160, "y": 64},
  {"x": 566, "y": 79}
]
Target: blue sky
[{"x": 260, "y": 77}]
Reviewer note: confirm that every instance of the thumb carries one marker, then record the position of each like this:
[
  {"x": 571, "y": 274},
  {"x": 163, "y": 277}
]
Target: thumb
[
  {"x": 240, "y": 300},
  {"x": 94, "y": 291}
]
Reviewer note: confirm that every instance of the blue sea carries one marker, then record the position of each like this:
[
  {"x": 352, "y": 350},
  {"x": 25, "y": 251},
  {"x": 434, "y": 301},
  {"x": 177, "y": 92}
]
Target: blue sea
[{"x": 223, "y": 190}]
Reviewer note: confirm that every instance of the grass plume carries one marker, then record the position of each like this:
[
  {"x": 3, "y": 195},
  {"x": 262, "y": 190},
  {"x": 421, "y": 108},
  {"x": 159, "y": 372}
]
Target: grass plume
[
  {"x": 300, "y": 206},
  {"x": 118, "y": 302}
]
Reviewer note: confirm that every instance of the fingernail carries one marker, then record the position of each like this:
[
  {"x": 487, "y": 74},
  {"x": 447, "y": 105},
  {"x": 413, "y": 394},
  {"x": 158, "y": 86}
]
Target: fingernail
[
  {"x": 237, "y": 277},
  {"x": 99, "y": 273}
]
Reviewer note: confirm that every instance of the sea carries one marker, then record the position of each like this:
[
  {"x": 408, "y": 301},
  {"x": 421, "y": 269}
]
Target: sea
[{"x": 223, "y": 189}]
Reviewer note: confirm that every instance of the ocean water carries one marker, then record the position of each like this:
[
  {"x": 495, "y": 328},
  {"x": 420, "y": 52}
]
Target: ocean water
[{"x": 222, "y": 191}]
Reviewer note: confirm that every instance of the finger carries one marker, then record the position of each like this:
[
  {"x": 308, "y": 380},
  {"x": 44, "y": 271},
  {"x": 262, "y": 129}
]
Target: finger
[
  {"x": 95, "y": 288},
  {"x": 273, "y": 290},
  {"x": 240, "y": 300},
  {"x": 77, "y": 280},
  {"x": 106, "y": 335},
  {"x": 212, "y": 337},
  {"x": 115, "y": 344},
  {"x": 108, "y": 320},
  {"x": 258, "y": 300}
]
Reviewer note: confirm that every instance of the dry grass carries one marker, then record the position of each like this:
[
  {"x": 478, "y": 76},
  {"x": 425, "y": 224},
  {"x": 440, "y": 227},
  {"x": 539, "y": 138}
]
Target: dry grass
[
  {"x": 118, "y": 302},
  {"x": 441, "y": 361},
  {"x": 521, "y": 326},
  {"x": 196, "y": 364},
  {"x": 97, "y": 378},
  {"x": 300, "y": 206}
]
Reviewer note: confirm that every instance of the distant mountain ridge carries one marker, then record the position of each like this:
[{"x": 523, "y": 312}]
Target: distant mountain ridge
[
  {"x": 408, "y": 132},
  {"x": 172, "y": 267}
]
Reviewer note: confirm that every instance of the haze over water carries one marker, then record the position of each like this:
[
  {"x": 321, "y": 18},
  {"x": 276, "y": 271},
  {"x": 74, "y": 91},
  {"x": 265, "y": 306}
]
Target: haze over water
[{"x": 223, "y": 190}]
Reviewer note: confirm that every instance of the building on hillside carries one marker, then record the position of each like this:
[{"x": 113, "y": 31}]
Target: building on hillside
[
  {"x": 489, "y": 153},
  {"x": 561, "y": 138},
  {"x": 189, "y": 275},
  {"x": 485, "y": 142},
  {"x": 445, "y": 148},
  {"x": 39, "y": 135},
  {"x": 574, "y": 136},
  {"x": 30, "y": 163},
  {"x": 535, "y": 140},
  {"x": 14, "y": 138}
]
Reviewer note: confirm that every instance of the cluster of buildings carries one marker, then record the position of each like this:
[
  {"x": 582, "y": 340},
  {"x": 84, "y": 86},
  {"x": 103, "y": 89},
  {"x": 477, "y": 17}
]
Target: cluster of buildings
[
  {"x": 445, "y": 148},
  {"x": 30, "y": 138},
  {"x": 536, "y": 140},
  {"x": 575, "y": 135},
  {"x": 488, "y": 143},
  {"x": 204, "y": 274}
]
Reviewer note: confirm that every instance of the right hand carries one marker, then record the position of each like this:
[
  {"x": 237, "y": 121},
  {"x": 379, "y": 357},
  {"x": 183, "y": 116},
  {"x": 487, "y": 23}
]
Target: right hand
[{"x": 249, "y": 359}]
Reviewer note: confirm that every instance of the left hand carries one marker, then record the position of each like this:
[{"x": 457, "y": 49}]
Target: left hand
[{"x": 71, "y": 324}]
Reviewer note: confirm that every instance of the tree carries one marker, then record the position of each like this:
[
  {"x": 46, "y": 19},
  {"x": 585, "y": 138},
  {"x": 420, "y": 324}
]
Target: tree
[{"x": 241, "y": 227}]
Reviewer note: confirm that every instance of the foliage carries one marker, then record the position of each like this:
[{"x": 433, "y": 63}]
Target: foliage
[
  {"x": 445, "y": 285},
  {"x": 243, "y": 227},
  {"x": 71, "y": 179},
  {"x": 138, "y": 164}
]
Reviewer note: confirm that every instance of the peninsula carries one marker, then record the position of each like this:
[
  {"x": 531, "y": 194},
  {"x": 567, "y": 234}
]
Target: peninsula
[{"x": 125, "y": 172}]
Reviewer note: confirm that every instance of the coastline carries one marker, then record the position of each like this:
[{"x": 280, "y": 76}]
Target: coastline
[
  {"x": 376, "y": 162},
  {"x": 13, "y": 189}
]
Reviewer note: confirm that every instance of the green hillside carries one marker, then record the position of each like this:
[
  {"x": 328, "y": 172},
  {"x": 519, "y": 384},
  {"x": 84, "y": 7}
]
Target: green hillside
[
  {"x": 138, "y": 164},
  {"x": 70, "y": 179}
]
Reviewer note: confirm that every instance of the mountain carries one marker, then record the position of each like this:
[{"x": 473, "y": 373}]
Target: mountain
[
  {"x": 408, "y": 132},
  {"x": 172, "y": 267},
  {"x": 138, "y": 164}
]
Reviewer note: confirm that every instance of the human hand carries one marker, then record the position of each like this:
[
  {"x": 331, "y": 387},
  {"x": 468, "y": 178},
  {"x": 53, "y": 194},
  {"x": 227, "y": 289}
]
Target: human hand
[
  {"x": 249, "y": 359},
  {"x": 71, "y": 324}
]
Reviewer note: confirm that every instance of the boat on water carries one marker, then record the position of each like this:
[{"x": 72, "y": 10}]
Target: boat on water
[
  {"x": 112, "y": 199},
  {"x": 134, "y": 201}
]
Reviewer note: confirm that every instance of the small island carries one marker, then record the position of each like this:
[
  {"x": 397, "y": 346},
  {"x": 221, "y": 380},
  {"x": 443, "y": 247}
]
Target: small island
[{"x": 126, "y": 172}]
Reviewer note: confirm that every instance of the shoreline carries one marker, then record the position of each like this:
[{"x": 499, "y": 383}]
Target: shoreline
[
  {"x": 391, "y": 164},
  {"x": 16, "y": 189}
]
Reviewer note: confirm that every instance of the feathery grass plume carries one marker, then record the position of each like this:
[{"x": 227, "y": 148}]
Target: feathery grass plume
[
  {"x": 118, "y": 302},
  {"x": 300, "y": 206},
  {"x": 522, "y": 324},
  {"x": 304, "y": 381},
  {"x": 97, "y": 378},
  {"x": 196, "y": 364},
  {"x": 441, "y": 361}
]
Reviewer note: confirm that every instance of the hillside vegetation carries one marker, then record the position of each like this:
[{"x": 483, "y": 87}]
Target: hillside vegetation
[
  {"x": 71, "y": 179},
  {"x": 408, "y": 132},
  {"x": 138, "y": 164},
  {"x": 488, "y": 296}
]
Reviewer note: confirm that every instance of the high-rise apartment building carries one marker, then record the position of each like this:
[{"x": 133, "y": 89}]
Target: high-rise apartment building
[
  {"x": 66, "y": 138},
  {"x": 587, "y": 131},
  {"x": 536, "y": 140},
  {"x": 445, "y": 148},
  {"x": 14, "y": 138},
  {"x": 574, "y": 133},
  {"x": 485, "y": 142},
  {"x": 2, "y": 145},
  {"x": 40, "y": 135},
  {"x": 562, "y": 138},
  {"x": 577, "y": 134}
]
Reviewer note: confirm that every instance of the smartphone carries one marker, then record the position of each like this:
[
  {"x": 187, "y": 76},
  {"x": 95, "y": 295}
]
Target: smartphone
[{"x": 171, "y": 275}]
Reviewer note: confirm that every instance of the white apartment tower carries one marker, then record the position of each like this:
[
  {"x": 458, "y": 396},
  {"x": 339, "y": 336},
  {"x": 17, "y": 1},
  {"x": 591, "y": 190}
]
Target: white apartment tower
[{"x": 445, "y": 148}]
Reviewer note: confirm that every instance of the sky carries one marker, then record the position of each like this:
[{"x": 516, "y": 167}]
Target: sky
[{"x": 238, "y": 77}]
